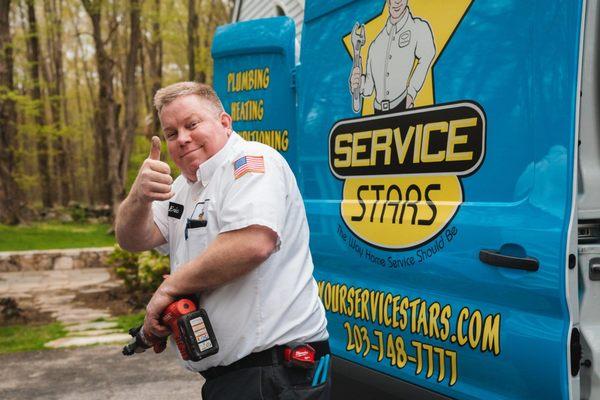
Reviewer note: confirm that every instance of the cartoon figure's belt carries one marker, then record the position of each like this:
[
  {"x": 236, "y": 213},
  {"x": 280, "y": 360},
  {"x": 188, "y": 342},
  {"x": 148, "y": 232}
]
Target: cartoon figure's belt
[{"x": 386, "y": 105}]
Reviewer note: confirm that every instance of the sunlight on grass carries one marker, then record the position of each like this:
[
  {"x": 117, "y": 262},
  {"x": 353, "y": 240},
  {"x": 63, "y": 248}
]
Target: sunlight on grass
[
  {"x": 27, "y": 338},
  {"x": 49, "y": 235}
]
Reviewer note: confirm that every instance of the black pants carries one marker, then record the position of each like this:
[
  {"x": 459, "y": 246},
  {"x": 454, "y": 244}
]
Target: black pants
[{"x": 270, "y": 382}]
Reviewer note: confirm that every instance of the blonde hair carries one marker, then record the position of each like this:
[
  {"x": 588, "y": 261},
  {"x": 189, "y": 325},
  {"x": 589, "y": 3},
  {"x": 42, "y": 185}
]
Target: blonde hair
[{"x": 168, "y": 94}]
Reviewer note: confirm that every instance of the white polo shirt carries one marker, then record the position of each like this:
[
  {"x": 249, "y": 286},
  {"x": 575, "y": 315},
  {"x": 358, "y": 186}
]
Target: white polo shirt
[{"x": 276, "y": 303}]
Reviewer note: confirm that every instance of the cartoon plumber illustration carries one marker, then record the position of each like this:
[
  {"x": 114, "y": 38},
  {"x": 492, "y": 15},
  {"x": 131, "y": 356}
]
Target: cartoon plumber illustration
[{"x": 397, "y": 63}]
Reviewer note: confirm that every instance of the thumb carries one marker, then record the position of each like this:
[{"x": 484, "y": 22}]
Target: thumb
[{"x": 155, "y": 149}]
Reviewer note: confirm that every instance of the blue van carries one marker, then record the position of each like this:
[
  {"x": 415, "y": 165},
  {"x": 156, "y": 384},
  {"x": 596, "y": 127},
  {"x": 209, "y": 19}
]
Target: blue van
[{"x": 448, "y": 155}]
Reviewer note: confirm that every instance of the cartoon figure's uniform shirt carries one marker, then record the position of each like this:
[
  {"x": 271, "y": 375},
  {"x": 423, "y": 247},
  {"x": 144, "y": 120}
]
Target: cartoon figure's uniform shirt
[
  {"x": 277, "y": 302},
  {"x": 391, "y": 59}
]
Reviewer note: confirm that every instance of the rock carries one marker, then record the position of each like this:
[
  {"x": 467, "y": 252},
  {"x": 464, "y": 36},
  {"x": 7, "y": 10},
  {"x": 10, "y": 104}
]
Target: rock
[
  {"x": 43, "y": 261},
  {"x": 66, "y": 218},
  {"x": 95, "y": 332},
  {"x": 91, "y": 326},
  {"x": 88, "y": 340},
  {"x": 62, "y": 263},
  {"x": 27, "y": 262}
]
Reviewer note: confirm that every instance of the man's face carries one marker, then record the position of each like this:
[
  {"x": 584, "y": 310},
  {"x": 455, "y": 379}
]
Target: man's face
[
  {"x": 397, "y": 8},
  {"x": 194, "y": 131}
]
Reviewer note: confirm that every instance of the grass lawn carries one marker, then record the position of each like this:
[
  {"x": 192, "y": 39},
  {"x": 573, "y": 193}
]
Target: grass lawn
[
  {"x": 126, "y": 322},
  {"x": 54, "y": 235},
  {"x": 27, "y": 338}
]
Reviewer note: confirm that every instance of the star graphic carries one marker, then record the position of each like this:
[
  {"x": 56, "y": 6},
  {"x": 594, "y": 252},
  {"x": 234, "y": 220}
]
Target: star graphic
[{"x": 443, "y": 17}]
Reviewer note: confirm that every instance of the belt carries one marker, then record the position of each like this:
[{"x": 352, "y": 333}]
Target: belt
[
  {"x": 387, "y": 105},
  {"x": 272, "y": 356}
]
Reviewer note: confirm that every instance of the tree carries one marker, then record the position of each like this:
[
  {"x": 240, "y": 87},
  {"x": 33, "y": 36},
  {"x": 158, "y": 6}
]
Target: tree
[
  {"x": 11, "y": 198},
  {"x": 34, "y": 57},
  {"x": 106, "y": 114},
  {"x": 116, "y": 140},
  {"x": 155, "y": 52},
  {"x": 130, "y": 94},
  {"x": 56, "y": 86},
  {"x": 192, "y": 34}
]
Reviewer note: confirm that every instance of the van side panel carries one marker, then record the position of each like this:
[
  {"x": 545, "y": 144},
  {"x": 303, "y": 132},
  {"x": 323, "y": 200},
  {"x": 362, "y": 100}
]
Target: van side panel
[{"x": 404, "y": 205}]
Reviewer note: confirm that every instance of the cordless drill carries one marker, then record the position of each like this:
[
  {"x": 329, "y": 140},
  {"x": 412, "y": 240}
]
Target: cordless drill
[{"x": 190, "y": 328}]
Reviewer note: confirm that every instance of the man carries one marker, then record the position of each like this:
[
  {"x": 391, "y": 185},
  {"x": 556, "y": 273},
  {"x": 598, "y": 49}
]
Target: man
[
  {"x": 235, "y": 228},
  {"x": 391, "y": 70}
]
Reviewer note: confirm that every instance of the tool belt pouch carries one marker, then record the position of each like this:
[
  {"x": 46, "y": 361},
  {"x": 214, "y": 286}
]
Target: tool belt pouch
[{"x": 198, "y": 336}]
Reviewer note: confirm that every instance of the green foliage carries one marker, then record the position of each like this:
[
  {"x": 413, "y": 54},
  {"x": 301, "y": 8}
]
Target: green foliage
[
  {"x": 78, "y": 213},
  {"x": 27, "y": 338},
  {"x": 152, "y": 267},
  {"x": 126, "y": 322},
  {"x": 54, "y": 235},
  {"x": 140, "y": 272}
]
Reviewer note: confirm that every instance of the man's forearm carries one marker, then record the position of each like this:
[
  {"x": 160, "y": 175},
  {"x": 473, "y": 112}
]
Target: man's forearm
[
  {"x": 134, "y": 226},
  {"x": 228, "y": 257}
]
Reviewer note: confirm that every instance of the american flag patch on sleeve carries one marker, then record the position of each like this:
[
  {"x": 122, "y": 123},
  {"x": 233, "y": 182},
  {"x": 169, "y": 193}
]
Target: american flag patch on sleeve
[{"x": 248, "y": 164}]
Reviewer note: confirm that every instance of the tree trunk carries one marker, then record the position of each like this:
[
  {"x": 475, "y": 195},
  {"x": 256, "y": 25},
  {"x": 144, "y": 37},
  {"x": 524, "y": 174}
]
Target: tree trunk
[
  {"x": 56, "y": 84},
  {"x": 155, "y": 52},
  {"x": 131, "y": 97},
  {"x": 192, "y": 35},
  {"x": 11, "y": 198},
  {"x": 107, "y": 114},
  {"x": 34, "y": 57}
]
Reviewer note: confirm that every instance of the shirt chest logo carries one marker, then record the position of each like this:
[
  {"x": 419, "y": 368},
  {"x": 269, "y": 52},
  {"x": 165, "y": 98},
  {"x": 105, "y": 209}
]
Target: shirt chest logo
[
  {"x": 175, "y": 210},
  {"x": 404, "y": 39}
]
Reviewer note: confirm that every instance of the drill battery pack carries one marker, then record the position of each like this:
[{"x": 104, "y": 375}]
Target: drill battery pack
[{"x": 197, "y": 334}]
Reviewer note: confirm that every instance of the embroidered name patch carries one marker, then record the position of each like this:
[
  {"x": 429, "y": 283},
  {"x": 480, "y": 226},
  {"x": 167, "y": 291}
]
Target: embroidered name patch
[
  {"x": 248, "y": 164},
  {"x": 175, "y": 210}
]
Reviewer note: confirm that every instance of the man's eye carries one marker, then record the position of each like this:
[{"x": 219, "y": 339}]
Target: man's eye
[{"x": 193, "y": 125}]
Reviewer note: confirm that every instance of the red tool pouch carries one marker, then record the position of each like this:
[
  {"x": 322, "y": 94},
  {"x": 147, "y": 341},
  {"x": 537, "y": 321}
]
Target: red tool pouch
[{"x": 302, "y": 356}]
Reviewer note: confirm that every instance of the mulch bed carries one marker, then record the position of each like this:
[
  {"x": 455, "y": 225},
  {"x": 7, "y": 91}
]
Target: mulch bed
[
  {"x": 13, "y": 313},
  {"x": 118, "y": 300}
]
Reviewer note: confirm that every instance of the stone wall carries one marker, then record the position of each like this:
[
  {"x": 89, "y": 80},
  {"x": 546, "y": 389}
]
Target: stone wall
[{"x": 44, "y": 260}]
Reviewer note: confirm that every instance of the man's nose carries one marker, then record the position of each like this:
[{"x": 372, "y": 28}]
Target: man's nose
[{"x": 183, "y": 137}]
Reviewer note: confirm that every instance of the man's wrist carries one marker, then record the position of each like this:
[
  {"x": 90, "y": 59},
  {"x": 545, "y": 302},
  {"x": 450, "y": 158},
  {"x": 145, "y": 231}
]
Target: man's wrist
[{"x": 168, "y": 288}]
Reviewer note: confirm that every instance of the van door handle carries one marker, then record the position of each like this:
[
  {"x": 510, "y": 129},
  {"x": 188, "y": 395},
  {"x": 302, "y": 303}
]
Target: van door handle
[{"x": 495, "y": 258}]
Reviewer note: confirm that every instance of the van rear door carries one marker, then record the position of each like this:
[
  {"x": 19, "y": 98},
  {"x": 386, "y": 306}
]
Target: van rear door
[
  {"x": 437, "y": 166},
  {"x": 254, "y": 78}
]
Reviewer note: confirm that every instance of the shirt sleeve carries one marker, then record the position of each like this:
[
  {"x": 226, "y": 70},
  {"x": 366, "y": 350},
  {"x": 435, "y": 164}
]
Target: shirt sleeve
[
  {"x": 367, "y": 80},
  {"x": 255, "y": 198},
  {"x": 160, "y": 210},
  {"x": 424, "y": 52}
]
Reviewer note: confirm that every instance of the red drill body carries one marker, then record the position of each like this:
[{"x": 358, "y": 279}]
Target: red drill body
[{"x": 170, "y": 317}]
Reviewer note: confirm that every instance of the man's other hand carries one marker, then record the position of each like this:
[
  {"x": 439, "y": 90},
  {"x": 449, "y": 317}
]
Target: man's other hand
[
  {"x": 156, "y": 306},
  {"x": 153, "y": 181}
]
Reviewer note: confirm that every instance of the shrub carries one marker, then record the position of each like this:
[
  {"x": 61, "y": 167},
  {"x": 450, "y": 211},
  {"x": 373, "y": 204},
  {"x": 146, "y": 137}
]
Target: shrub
[{"x": 139, "y": 271}]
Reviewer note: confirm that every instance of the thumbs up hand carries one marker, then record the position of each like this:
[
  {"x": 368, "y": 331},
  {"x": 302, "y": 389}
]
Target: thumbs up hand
[{"x": 153, "y": 181}]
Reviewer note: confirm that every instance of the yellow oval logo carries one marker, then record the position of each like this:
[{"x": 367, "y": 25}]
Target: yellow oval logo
[{"x": 400, "y": 212}]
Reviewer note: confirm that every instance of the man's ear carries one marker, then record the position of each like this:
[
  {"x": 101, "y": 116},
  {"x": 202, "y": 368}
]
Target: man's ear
[{"x": 226, "y": 121}]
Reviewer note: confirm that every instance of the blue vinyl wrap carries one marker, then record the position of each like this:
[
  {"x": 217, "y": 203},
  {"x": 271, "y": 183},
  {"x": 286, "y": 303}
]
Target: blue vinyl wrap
[{"x": 518, "y": 60}]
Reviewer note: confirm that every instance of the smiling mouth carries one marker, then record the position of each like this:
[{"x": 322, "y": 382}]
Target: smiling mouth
[{"x": 190, "y": 151}]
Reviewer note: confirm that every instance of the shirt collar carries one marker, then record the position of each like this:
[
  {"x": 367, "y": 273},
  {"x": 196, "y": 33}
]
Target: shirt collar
[
  {"x": 399, "y": 25},
  {"x": 207, "y": 169}
]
